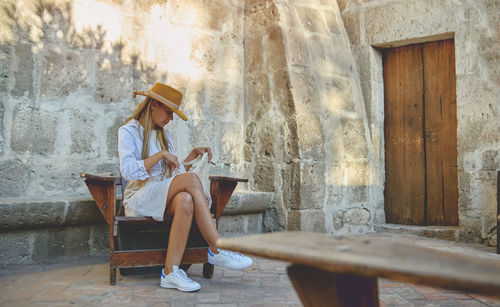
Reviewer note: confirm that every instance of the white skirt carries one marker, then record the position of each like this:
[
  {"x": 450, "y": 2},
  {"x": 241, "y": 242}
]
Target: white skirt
[{"x": 147, "y": 197}]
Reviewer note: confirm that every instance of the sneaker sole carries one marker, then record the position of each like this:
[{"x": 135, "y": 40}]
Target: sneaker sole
[
  {"x": 231, "y": 268},
  {"x": 172, "y": 286}
]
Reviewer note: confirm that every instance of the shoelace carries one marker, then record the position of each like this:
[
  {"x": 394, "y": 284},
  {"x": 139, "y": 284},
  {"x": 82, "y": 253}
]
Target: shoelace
[
  {"x": 184, "y": 276},
  {"x": 233, "y": 255}
]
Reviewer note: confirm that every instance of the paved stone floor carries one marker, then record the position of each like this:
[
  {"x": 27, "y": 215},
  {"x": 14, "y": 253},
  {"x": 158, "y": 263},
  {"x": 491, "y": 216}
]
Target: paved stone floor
[{"x": 84, "y": 282}]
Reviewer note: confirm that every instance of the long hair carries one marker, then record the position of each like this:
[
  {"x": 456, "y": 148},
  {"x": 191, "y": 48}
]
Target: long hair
[{"x": 143, "y": 115}]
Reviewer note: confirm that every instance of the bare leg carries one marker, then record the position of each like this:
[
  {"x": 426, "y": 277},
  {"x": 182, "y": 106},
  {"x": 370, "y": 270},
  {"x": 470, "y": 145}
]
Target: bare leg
[
  {"x": 181, "y": 208},
  {"x": 191, "y": 184}
]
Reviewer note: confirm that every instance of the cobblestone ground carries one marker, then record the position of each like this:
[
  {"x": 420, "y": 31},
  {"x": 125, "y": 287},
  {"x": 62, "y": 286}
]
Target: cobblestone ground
[{"x": 85, "y": 282}]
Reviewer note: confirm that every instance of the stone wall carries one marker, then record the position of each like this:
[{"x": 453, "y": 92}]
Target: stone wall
[
  {"x": 306, "y": 129},
  {"x": 68, "y": 69},
  {"x": 475, "y": 27},
  {"x": 288, "y": 93}
]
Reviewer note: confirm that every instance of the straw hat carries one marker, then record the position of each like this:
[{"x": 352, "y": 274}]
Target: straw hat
[{"x": 167, "y": 95}]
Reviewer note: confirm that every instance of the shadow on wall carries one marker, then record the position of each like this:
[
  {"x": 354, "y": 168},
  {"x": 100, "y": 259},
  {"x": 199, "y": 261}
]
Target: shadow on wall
[{"x": 57, "y": 84}]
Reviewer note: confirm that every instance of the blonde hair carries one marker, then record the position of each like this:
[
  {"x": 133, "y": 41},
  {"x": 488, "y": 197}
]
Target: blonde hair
[{"x": 143, "y": 115}]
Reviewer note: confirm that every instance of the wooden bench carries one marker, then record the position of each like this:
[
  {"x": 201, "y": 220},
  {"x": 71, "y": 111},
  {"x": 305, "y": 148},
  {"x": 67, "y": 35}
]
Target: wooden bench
[
  {"x": 330, "y": 271},
  {"x": 137, "y": 242}
]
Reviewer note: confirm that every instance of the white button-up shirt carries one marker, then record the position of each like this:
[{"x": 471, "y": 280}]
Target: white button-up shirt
[{"x": 130, "y": 138}]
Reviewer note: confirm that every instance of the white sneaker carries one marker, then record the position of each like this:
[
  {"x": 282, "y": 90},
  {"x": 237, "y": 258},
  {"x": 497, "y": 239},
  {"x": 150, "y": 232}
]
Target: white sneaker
[
  {"x": 229, "y": 260},
  {"x": 178, "y": 280}
]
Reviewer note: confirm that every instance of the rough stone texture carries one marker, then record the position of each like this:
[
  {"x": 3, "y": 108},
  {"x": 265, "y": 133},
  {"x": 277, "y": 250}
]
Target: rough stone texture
[
  {"x": 82, "y": 134},
  {"x": 15, "y": 179},
  {"x": 33, "y": 130},
  {"x": 277, "y": 88},
  {"x": 307, "y": 220},
  {"x": 475, "y": 29}
]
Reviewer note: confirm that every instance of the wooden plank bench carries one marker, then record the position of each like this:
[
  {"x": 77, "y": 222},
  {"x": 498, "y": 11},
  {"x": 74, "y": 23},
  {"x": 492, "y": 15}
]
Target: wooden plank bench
[
  {"x": 150, "y": 237},
  {"x": 343, "y": 271}
]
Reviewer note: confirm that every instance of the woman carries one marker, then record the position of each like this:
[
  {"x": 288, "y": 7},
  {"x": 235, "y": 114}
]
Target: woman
[{"x": 158, "y": 184}]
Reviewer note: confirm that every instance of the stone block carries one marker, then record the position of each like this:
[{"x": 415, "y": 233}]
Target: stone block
[
  {"x": 6, "y": 60},
  {"x": 306, "y": 220},
  {"x": 355, "y": 195},
  {"x": 82, "y": 132},
  {"x": 232, "y": 225},
  {"x": 490, "y": 160},
  {"x": 338, "y": 95},
  {"x": 263, "y": 176},
  {"x": 310, "y": 134},
  {"x": 396, "y": 21},
  {"x": 212, "y": 15},
  {"x": 230, "y": 146},
  {"x": 66, "y": 73},
  {"x": 274, "y": 50},
  {"x": 204, "y": 54},
  {"x": 59, "y": 242},
  {"x": 290, "y": 176},
  {"x": 221, "y": 98},
  {"x": 305, "y": 93},
  {"x": 297, "y": 49},
  {"x": 112, "y": 78},
  {"x": 312, "y": 186},
  {"x": 16, "y": 247},
  {"x": 271, "y": 221},
  {"x": 24, "y": 71},
  {"x": 15, "y": 183},
  {"x": 281, "y": 92},
  {"x": 25, "y": 215},
  {"x": 338, "y": 220},
  {"x": 203, "y": 133},
  {"x": 352, "y": 25},
  {"x": 356, "y": 216},
  {"x": 29, "y": 130},
  {"x": 99, "y": 238},
  {"x": 312, "y": 20},
  {"x": 266, "y": 140},
  {"x": 260, "y": 16},
  {"x": 254, "y": 55},
  {"x": 258, "y": 95},
  {"x": 248, "y": 202},
  {"x": 254, "y": 223},
  {"x": 82, "y": 212},
  {"x": 232, "y": 61},
  {"x": 2, "y": 128},
  {"x": 354, "y": 140},
  {"x": 331, "y": 22},
  {"x": 290, "y": 141},
  {"x": 112, "y": 136}
]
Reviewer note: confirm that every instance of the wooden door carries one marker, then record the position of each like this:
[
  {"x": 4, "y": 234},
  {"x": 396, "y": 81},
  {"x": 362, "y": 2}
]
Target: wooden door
[{"x": 420, "y": 134}]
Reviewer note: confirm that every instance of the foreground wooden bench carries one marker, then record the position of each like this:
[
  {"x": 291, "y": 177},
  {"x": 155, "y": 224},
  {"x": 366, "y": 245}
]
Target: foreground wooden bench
[
  {"x": 330, "y": 271},
  {"x": 138, "y": 242}
]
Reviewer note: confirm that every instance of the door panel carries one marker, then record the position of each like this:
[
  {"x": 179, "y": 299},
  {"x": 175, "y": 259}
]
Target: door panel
[
  {"x": 404, "y": 151},
  {"x": 420, "y": 134},
  {"x": 440, "y": 133}
]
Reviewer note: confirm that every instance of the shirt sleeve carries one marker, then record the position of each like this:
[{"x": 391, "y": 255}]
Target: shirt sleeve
[{"x": 130, "y": 167}]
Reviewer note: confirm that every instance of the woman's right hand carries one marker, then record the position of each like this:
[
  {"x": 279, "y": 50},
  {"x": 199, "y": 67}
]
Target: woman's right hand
[{"x": 170, "y": 159}]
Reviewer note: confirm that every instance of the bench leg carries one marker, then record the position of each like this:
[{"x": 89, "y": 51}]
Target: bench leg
[
  {"x": 112, "y": 275},
  {"x": 208, "y": 270},
  {"x": 316, "y": 287}
]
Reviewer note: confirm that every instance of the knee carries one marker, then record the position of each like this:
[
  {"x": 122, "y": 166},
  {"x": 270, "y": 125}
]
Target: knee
[
  {"x": 194, "y": 180},
  {"x": 185, "y": 204}
]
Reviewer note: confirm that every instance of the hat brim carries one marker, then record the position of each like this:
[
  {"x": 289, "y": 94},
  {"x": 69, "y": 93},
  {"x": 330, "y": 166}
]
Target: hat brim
[{"x": 165, "y": 103}]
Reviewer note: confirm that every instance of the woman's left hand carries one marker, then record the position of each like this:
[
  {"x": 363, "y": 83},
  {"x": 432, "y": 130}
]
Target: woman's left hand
[{"x": 198, "y": 151}]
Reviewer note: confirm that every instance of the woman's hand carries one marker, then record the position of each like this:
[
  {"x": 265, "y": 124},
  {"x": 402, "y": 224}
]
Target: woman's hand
[
  {"x": 170, "y": 159},
  {"x": 198, "y": 151}
]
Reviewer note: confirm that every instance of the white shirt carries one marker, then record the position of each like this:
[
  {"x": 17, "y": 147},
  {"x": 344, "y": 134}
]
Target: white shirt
[{"x": 130, "y": 138}]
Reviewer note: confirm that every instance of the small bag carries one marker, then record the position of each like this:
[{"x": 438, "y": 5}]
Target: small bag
[{"x": 199, "y": 166}]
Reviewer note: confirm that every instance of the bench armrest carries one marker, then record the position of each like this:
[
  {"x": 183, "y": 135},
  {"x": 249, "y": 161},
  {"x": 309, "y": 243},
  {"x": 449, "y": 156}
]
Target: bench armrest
[{"x": 102, "y": 177}]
